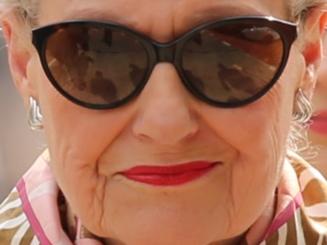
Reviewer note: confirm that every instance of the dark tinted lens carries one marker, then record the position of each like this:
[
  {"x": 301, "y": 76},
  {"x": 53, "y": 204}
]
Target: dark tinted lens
[
  {"x": 234, "y": 62},
  {"x": 95, "y": 64}
]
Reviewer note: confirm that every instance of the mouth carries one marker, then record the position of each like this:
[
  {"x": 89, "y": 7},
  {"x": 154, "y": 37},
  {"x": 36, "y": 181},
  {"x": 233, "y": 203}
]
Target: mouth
[
  {"x": 319, "y": 123},
  {"x": 169, "y": 175}
]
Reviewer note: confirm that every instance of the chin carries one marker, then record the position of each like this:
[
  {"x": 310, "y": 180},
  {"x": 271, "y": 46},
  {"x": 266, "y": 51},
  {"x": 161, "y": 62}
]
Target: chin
[{"x": 168, "y": 227}]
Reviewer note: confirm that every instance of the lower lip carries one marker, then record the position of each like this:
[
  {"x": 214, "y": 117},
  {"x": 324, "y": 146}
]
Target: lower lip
[
  {"x": 165, "y": 176},
  {"x": 319, "y": 123}
]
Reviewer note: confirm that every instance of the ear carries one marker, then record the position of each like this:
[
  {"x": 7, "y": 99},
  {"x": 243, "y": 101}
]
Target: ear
[
  {"x": 19, "y": 48},
  {"x": 313, "y": 32}
]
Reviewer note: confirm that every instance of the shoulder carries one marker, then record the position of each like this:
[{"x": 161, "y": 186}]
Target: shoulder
[
  {"x": 312, "y": 183},
  {"x": 311, "y": 218},
  {"x": 301, "y": 205},
  {"x": 14, "y": 225},
  {"x": 21, "y": 211}
]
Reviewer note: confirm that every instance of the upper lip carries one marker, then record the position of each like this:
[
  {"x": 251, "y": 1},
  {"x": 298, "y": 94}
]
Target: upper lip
[{"x": 168, "y": 169}]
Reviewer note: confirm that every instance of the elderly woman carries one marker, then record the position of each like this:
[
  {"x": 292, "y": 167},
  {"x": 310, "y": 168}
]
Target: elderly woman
[{"x": 168, "y": 122}]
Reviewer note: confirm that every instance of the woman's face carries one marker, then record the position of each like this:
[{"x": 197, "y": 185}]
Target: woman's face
[
  {"x": 318, "y": 130},
  {"x": 164, "y": 126}
]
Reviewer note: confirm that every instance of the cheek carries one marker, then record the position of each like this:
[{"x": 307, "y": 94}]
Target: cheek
[
  {"x": 73, "y": 130},
  {"x": 259, "y": 128},
  {"x": 76, "y": 139},
  {"x": 257, "y": 134}
]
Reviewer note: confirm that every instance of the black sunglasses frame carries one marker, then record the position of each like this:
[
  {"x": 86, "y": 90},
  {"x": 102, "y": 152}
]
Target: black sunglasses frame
[{"x": 168, "y": 52}]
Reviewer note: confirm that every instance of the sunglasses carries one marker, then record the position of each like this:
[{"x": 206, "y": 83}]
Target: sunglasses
[{"x": 226, "y": 63}]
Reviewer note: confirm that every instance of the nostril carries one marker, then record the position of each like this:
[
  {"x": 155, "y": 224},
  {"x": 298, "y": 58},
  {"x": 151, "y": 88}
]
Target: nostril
[{"x": 155, "y": 127}]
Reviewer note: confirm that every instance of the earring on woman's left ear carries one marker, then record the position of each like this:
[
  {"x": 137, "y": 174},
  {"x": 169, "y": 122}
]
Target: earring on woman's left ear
[
  {"x": 303, "y": 111},
  {"x": 35, "y": 117},
  {"x": 302, "y": 108}
]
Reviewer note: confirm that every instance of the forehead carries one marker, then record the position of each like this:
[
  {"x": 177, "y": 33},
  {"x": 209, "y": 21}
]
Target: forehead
[
  {"x": 146, "y": 15},
  {"x": 51, "y": 9}
]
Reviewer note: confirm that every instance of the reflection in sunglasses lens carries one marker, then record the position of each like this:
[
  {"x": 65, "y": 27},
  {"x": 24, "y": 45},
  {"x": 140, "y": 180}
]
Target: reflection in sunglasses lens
[
  {"x": 233, "y": 62},
  {"x": 227, "y": 63},
  {"x": 94, "y": 64}
]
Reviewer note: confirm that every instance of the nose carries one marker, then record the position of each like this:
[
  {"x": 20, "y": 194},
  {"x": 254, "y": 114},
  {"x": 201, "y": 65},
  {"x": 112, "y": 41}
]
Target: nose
[{"x": 165, "y": 114}]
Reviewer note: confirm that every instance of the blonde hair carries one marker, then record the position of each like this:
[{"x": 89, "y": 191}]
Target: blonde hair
[
  {"x": 298, "y": 8},
  {"x": 25, "y": 8}
]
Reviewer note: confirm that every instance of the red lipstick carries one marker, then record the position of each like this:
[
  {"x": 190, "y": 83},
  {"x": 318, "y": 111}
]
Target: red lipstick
[
  {"x": 169, "y": 175},
  {"x": 319, "y": 123}
]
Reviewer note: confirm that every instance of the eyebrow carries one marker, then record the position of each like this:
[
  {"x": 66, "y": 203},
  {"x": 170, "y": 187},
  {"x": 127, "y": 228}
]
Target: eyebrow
[
  {"x": 218, "y": 11},
  {"x": 214, "y": 13},
  {"x": 221, "y": 12},
  {"x": 98, "y": 14}
]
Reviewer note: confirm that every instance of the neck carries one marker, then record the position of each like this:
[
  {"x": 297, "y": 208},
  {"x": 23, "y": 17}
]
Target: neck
[
  {"x": 231, "y": 241},
  {"x": 253, "y": 236}
]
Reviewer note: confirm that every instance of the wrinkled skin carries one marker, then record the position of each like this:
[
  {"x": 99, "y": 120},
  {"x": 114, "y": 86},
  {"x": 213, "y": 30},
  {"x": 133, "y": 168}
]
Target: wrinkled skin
[{"x": 164, "y": 125}]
